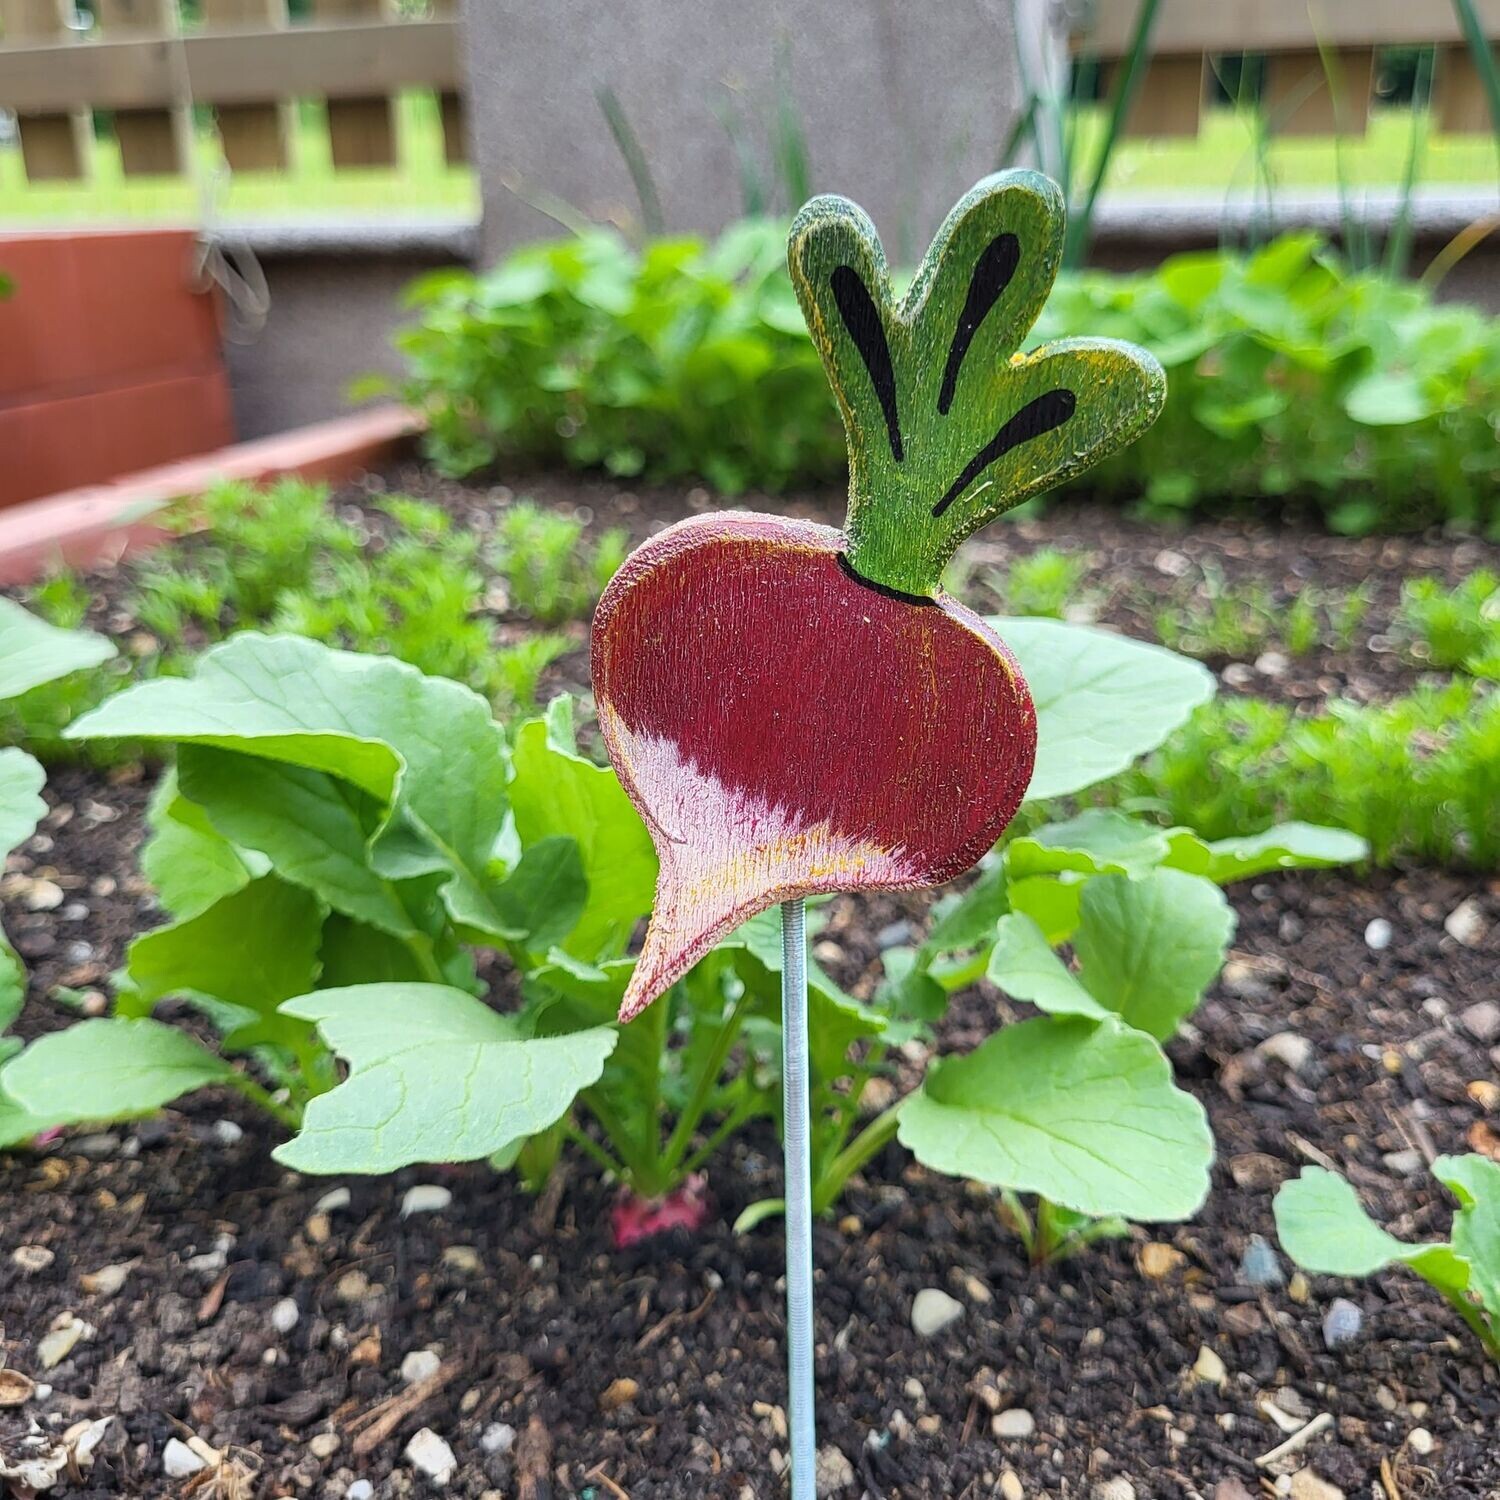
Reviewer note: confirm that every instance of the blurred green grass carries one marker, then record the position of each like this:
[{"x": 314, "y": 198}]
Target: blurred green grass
[
  {"x": 1220, "y": 159},
  {"x": 421, "y": 184}
]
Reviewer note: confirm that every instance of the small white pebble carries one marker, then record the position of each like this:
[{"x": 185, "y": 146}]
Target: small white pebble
[
  {"x": 498, "y": 1437},
  {"x": 227, "y": 1133},
  {"x": 1378, "y": 934},
  {"x": 1420, "y": 1441},
  {"x": 285, "y": 1315},
  {"x": 933, "y": 1310},
  {"x": 1015, "y": 1423},
  {"x": 1209, "y": 1367},
  {"x": 419, "y": 1365},
  {"x": 178, "y": 1461},
  {"x": 361, "y": 1489},
  {"x": 430, "y": 1454},
  {"x": 425, "y": 1198}
]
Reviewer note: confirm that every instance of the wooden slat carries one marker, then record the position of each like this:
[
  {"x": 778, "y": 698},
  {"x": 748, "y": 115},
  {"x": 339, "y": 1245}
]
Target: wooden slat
[
  {"x": 451, "y": 104},
  {"x": 313, "y": 61},
  {"x": 56, "y": 144},
  {"x": 255, "y": 137},
  {"x": 1298, "y": 100},
  {"x": 1462, "y": 105},
  {"x": 455, "y": 129},
  {"x": 361, "y": 127},
  {"x": 1168, "y": 100},
  {"x": 56, "y": 147},
  {"x": 1198, "y": 26},
  {"x": 153, "y": 142}
]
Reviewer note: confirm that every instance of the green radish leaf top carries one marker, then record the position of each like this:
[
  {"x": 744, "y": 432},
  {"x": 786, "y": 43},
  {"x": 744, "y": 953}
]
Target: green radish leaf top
[{"x": 948, "y": 424}]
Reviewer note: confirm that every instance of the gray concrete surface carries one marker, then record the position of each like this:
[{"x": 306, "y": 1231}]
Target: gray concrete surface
[
  {"x": 335, "y": 295},
  {"x": 903, "y": 105}
]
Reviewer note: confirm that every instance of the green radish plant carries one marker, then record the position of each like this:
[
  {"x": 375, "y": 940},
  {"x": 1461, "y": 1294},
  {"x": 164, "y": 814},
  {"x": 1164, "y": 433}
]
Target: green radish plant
[
  {"x": 32, "y": 654},
  {"x": 330, "y": 875},
  {"x": 1324, "y": 1228}
]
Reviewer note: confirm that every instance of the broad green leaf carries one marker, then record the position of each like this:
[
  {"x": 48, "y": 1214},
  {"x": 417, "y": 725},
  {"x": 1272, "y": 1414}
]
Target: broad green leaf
[
  {"x": 314, "y": 828},
  {"x": 1388, "y": 398},
  {"x": 1085, "y": 1114},
  {"x": 17, "y": 1125},
  {"x": 968, "y": 920},
  {"x": 557, "y": 792},
  {"x": 109, "y": 1070},
  {"x": 1023, "y": 965},
  {"x": 1287, "y": 846},
  {"x": 33, "y": 652},
  {"x": 1475, "y": 1181},
  {"x": 249, "y": 951},
  {"x": 12, "y": 983},
  {"x": 545, "y": 895},
  {"x": 835, "y": 1021},
  {"x": 1324, "y": 1228},
  {"x": 1098, "y": 841},
  {"x": 21, "y": 805},
  {"x": 1148, "y": 948},
  {"x": 1101, "y": 699},
  {"x": 1052, "y": 904},
  {"x": 190, "y": 864},
  {"x": 423, "y": 747},
  {"x": 564, "y": 1000},
  {"x": 434, "y": 1075}
]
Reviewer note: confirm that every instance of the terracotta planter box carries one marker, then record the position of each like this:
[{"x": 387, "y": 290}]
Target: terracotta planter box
[{"x": 109, "y": 359}]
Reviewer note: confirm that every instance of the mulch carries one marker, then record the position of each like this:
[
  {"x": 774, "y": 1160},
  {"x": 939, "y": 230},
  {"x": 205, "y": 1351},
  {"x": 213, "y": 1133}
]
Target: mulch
[{"x": 566, "y": 1368}]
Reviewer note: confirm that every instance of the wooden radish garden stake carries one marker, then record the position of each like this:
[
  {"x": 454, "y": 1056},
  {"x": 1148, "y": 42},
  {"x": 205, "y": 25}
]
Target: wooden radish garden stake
[{"x": 796, "y": 710}]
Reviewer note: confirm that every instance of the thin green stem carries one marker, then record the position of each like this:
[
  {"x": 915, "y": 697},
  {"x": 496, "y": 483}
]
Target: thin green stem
[
  {"x": 703, "y": 1086},
  {"x": 1021, "y": 1221},
  {"x": 727, "y": 1127},
  {"x": 867, "y": 1144},
  {"x": 591, "y": 1148},
  {"x": 641, "y": 1164},
  {"x": 420, "y": 946},
  {"x": 847, "y": 1110},
  {"x": 1484, "y": 58},
  {"x": 1132, "y": 70},
  {"x": 283, "y": 1114}
]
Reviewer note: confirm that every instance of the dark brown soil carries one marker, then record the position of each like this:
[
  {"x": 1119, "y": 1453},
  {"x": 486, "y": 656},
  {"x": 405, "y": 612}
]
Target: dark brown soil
[
  {"x": 1135, "y": 569},
  {"x": 534, "y": 1317}
]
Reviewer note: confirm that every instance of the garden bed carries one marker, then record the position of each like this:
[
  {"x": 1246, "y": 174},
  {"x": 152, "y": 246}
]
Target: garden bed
[{"x": 535, "y": 1319}]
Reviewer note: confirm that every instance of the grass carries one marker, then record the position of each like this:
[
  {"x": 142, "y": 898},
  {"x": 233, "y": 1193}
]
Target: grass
[
  {"x": 1221, "y": 158},
  {"x": 422, "y": 184},
  {"x": 1454, "y": 629},
  {"x": 408, "y": 583}
]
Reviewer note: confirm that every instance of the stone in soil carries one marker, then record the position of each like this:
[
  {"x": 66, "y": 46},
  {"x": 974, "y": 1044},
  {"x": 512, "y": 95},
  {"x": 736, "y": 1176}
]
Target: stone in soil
[{"x": 933, "y": 1310}]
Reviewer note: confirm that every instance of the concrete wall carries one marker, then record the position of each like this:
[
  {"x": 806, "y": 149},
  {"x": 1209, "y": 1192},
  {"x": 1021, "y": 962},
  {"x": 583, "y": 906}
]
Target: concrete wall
[
  {"x": 335, "y": 301},
  {"x": 1138, "y": 234},
  {"x": 904, "y": 104}
]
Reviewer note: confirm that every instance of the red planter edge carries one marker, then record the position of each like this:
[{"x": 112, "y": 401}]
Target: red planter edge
[{"x": 101, "y": 523}]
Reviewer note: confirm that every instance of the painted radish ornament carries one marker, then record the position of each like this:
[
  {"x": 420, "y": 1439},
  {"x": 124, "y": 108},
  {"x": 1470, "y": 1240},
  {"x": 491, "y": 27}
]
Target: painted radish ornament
[{"x": 797, "y": 710}]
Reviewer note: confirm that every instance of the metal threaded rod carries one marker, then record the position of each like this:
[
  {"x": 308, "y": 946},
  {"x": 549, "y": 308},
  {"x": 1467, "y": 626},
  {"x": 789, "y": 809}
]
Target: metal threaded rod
[{"x": 798, "y": 1190}]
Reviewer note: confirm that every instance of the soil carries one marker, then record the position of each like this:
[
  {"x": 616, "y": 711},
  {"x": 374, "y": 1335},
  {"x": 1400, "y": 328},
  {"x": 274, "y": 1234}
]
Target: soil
[{"x": 565, "y": 1368}]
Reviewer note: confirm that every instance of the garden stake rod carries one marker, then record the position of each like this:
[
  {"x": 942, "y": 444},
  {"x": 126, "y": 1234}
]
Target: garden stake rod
[{"x": 796, "y": 1153}]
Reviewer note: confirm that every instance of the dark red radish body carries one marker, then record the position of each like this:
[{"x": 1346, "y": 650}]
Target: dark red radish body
[
  {"x": 787, "y": 729},
  {"x": 797, "y": 710}
]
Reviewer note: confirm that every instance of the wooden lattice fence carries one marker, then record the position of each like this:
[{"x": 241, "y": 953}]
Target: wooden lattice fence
[
  {"x": 1303, "y": 42},
  {"x": 245, "y": 58}
]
